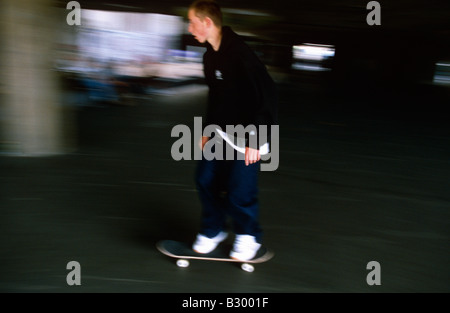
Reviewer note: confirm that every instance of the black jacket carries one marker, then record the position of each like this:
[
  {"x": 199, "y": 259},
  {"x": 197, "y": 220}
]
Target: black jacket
[{"x": 241, "y": 91}]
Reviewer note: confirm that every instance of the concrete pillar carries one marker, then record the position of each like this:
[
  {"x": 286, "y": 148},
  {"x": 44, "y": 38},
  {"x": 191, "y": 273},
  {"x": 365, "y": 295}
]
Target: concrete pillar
[{"x": 34, "y": 122}]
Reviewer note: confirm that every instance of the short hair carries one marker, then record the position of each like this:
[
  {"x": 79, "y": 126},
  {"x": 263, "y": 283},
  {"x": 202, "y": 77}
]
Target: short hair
[{"x": 207, "y": 8}]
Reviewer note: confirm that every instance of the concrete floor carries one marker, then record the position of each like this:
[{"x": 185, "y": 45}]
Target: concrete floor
[{"x": 356, "y": 183}]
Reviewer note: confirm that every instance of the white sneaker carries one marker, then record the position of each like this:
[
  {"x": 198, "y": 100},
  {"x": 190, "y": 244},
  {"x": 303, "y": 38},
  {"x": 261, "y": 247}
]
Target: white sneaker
[
  {"x": 245, "y": 248},
  {"x": 205, "y": 245}
]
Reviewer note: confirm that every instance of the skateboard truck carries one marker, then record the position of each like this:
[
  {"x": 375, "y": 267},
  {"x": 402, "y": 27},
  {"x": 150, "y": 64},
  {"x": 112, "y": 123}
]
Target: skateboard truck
[{"x": 244, "y": 266}]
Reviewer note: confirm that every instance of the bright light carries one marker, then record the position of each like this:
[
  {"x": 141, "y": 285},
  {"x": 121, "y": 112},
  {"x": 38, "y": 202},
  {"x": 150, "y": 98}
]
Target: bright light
[
  {"x": 311, "y": 57},
  {"x": 442, "y": 74}
]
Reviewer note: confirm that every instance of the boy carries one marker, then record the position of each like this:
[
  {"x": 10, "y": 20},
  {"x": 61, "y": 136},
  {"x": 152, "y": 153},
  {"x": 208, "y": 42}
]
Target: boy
[{"x": 241, "y": 92}]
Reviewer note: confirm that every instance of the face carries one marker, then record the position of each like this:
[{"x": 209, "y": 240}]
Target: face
[{"x": 197, "y": 27}]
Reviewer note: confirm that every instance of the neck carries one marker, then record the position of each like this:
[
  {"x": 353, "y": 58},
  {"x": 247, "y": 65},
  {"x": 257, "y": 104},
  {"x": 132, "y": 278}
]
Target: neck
[{"x": 216, "y": 39}]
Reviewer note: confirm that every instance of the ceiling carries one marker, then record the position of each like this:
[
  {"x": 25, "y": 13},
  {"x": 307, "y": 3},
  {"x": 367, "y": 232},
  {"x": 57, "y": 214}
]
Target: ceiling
[{"x": 289, "y": 21}]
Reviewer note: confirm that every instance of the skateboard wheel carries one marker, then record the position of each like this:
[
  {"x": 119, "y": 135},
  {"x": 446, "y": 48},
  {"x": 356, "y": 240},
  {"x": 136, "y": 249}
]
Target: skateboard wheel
[
  {"x": 247, "y": 267},
  {"x": 182, "y": 263}
]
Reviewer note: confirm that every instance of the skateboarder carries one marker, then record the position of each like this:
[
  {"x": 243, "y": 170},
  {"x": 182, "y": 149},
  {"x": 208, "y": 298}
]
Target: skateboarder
[{"x": 241, "y": 92}]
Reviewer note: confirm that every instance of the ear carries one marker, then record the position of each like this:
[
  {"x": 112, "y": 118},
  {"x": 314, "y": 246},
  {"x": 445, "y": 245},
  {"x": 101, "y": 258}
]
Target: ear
[{"x": 208, "y": 22}]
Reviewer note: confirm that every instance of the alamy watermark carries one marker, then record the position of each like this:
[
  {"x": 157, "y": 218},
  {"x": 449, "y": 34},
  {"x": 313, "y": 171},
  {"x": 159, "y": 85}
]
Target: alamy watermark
[
  {"x": 233, "y": 138},
  {"x": 374, "y": 16},
  {"x": 74, "y": 16},
  {"x": 374, "y": 276},
  {"x": 74, "y": 276}
]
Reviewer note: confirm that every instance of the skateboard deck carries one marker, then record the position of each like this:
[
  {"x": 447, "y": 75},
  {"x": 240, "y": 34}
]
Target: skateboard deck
[{"x": 183, "y": 253}]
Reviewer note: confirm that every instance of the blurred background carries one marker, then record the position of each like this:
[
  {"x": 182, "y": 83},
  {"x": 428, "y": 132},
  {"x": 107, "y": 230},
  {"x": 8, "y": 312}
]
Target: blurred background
[
  {"x": 85, "y": 118},
  {"x": 136, "y": 48}
]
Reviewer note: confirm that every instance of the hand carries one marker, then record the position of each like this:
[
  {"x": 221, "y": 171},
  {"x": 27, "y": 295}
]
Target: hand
[
  {"x": 201, "y": 143},
  {"x": 251, "y": 156}
]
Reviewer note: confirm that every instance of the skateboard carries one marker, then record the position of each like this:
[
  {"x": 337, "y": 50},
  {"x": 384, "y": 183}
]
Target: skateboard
[{"x": 183, "y": 253}]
